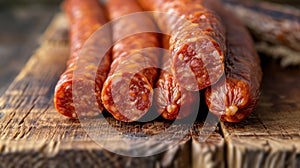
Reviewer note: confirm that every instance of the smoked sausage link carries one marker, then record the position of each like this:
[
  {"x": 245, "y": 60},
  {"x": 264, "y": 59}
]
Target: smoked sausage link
[
  {"x": 85, "y": 17},
  {"x": 172, "y": 101},
  {"x": 197, "y": 40},
  {"x": 236, "y": 95},
  {"x": 128, "y": 91}
]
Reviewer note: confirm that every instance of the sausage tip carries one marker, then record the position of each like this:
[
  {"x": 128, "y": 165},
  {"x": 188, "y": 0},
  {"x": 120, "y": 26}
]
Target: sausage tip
[{"x": 231, "y": 110}]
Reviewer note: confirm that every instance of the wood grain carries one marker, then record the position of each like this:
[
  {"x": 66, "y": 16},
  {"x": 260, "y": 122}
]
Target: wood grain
[
  {"x": 207, "y": 146},
  {"x": 270, "y": 137},
  {"x": 32, "y": 133},
  {"x": 20, "y": 30}
]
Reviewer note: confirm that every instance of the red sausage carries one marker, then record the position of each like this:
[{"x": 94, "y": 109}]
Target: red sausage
[
  {"x": 172, "y": 101},
  {"x": 235, "y": 96},
  {"x": 128, "y": 91},
  {"x": 85, "y": 17},
  {"x": 197, "y": 41}
]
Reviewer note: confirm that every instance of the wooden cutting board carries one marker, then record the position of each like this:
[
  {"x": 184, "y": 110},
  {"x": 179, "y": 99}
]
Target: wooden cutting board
[{"x": 32, "y": 133}]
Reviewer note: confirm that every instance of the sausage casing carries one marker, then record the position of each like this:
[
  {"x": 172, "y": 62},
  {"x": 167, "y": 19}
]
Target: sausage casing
[
  {"x": 128, "y": 91},
  {"x": 85, "y": 18},
  {"x": 197, "y": 41},
  {"x": 236, "y": 95},
  {"x": 171, "y": 100}
]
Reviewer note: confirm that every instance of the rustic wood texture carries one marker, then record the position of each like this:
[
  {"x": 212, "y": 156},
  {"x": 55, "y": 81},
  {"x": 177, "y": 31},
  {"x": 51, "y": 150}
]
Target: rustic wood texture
[
  {"x": 20, "y": 30},
  {"x": 208, "y": 146},
  {"x": 33, "y": 134},
  {"x": 271, "y": 136}
]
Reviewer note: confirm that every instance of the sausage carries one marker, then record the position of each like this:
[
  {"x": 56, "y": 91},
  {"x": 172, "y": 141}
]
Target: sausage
[
  {"x": 171, "y": 100},
  {"x": 85, "y": 18},
  {"x": 197, "y": 40},
  {"x": 128, "y": 91},
  {"x": 273, "y": 23},
  {"x": 236, "y": 95}
]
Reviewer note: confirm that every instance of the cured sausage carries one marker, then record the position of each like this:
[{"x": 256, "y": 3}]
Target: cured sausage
[
  {"x": 236, "y": 95},
  {"x": 197, "y": 41},
  {"x": 85, "y": 18},
  {"x": 128, "y": 91},
  {"x": 171, "y": 100}
]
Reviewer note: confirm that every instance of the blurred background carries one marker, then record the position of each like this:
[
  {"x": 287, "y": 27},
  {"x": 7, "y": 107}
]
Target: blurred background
[{"x": 22, "y": 22}]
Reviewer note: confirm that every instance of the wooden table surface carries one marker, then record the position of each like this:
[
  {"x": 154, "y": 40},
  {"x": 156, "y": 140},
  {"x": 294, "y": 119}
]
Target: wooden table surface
[
  {"x": 32, "y": 133},
  {"x": 20, "y": 30}
]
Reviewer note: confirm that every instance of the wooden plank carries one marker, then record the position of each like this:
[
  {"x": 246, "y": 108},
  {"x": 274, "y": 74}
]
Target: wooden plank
[
  {"x": 270, "y": 137},
  {"x": 20, "y": 30},
  {"x": 207, "y": 146},
  {"x": 32, "y": 133},
  {"x": 31, "y": 127}
]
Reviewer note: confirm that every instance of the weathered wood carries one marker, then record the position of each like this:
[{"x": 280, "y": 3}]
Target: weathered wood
[
  {"x": 270, "y": 137},
  {"x": 32, "y": 133},
  {"x": 20, "y": 30},
  {"x": 207, "y": 146}
]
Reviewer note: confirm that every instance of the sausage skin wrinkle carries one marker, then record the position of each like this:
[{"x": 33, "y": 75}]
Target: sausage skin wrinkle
[
  {"x": 85, "y": 17},
  {"x": 128, "y": 91},
  {"x": 236, "y": 95},
  {"x": 171, "y": 100},
  {"x": 197, "y": 41}
]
